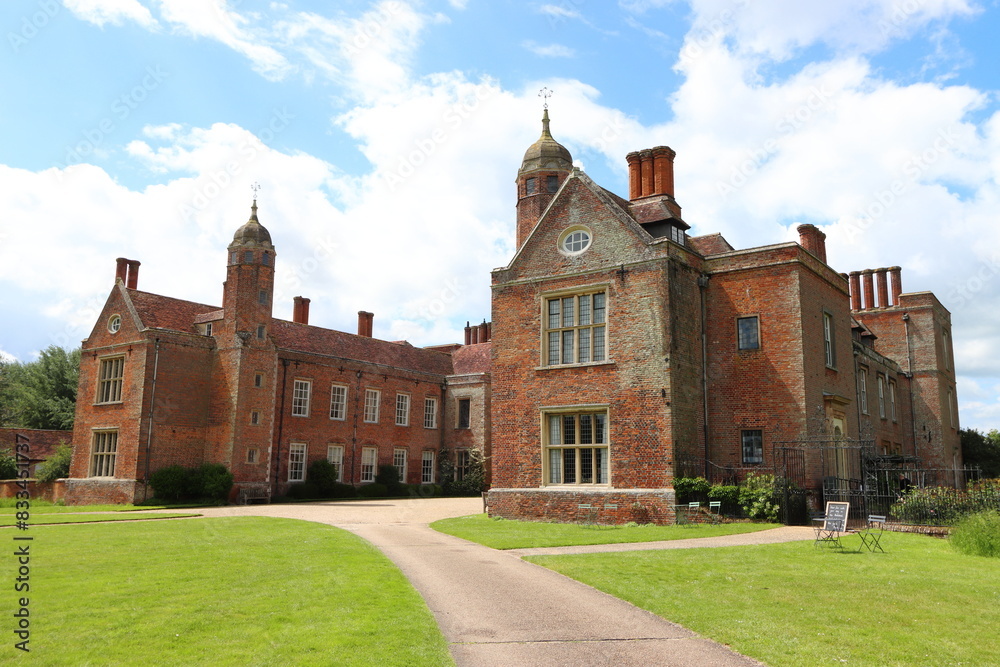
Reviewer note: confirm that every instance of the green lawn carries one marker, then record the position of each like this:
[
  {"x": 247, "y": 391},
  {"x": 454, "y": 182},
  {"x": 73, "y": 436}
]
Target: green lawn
[
  {"x": 221, "y": 591},
  {"x": 8, "y": 506},
  {"x": 505, "y": 534},
  {"x": 41, "y": 519},
  {"x": 921, "y": 603}
]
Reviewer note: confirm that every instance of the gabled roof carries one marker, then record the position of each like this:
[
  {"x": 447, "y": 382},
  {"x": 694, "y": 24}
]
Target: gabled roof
[
  {"x": 316, "y": 340},
  {"x": 709, "y": 244},
  {"x": 472, "y": 359},
  {"x": 164, "y": 312}
]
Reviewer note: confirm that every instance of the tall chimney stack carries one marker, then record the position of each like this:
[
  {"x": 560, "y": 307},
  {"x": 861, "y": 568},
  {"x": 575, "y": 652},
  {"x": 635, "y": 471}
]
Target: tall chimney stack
[
  {"x": 855, "y": 280},
  {"x": 651, "y": 172},
  {"x": 365, "y": 323},
  {"x": 869, "y": 290},
  {"x": 813, "y": 240},
  {"x": 121, "y": 270},
  {"x": 881, "y": 287},
  {"x": 300, "y": 310},
  {"x": 133, "y": 274},
  {"x": 897, "y": 285}
]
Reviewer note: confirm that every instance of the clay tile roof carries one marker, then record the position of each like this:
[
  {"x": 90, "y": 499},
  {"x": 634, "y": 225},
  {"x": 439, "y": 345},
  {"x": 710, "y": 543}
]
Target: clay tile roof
[
  {"x": 316, "y": 340},
  {"x": 710, "y": 244},
  {"x": 164, "y": 312},
  {"x": 470, "y": 359}
]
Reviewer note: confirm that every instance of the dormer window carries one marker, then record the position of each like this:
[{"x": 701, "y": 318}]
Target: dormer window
[{"x": 676, "y": 234}]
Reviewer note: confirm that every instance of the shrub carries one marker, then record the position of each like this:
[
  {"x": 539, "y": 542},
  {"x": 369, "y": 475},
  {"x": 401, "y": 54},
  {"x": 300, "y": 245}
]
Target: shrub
[
  {"x": 757, "y": 497},
  {"x": 374, "y": 490},
  {"x": 728, "y": 495},
  {"x": 8, "y": 465},
  {"x": 303, "y": 491},
  {"x": 339, "y": 490},
  {"x": 56, "y": 466},
  {"x": 388, "y": 476},
  {"x": 215, "y": 481},
  {"x": 978, "y": 535},
  {"x": 691, "y": 489},
  {"x": 170, "y": 483},
  {"x": 323, "y": 474}
]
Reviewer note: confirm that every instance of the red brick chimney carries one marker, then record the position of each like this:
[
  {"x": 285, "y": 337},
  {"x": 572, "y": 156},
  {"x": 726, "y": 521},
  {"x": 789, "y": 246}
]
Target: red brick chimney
[
  {"x": 132, "y": 282},
  {"x": 813, "y": 240},
  {"x": 121, "y": 269},
  {"x": 651, "y": 172},
  {"x": 484, "y": 332},
  {"x": 365, "y": 323},
  {"x": 468, "y": 334},
  {"x": 855, "y": 279},
  {"x": 897, "y": 285},
  {"x": 300, "y": 310},
  {"x": 869, "y": 290},
  {"x": 881, "y": 287}
]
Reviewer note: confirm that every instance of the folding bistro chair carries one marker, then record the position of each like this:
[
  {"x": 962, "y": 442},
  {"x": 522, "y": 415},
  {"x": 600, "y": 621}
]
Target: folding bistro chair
[
  {"x": 715, "y": 509},
  {"x": 872, "y": 533}
]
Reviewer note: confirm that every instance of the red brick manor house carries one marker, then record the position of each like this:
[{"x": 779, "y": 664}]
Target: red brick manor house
[{"x": 622, "y": 353}]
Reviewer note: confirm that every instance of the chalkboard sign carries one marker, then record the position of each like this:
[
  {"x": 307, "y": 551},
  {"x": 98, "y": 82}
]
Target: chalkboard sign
[{"x": 836, "y": 517}]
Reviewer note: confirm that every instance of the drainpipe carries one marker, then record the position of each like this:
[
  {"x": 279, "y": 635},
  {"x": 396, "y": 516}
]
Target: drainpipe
[
  {"x": 354, "y": 436},
  {"x": 441, "y": 446},
  {"x": 152, "y": 406},
  {"x": 909, "y": 376},
  {"x": 281, "y": 423},
  {"x": 703, "y": 284}
]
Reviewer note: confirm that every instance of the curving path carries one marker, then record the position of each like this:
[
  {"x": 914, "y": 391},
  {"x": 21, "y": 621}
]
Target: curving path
[{"x": 498, "y": 610}]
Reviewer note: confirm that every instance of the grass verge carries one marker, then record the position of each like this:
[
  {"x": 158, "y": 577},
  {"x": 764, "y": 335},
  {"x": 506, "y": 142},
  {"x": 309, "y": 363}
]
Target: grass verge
[
  {"x": 793, "y": 604},
  {"x": 7, "y": 520},
  {"x": 221, "y": 591},
  {"x": 506, "y": 534},
  {"x": 9, "y": 506}
]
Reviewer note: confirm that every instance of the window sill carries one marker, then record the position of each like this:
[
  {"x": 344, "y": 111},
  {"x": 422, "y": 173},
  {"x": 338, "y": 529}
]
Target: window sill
[
  {"x": 110, "y": 403},
  {"x": 589, "y": 364}
]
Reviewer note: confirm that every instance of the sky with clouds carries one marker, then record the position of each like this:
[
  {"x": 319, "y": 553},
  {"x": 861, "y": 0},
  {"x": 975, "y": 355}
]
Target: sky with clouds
[{"x": 386, "y": 136}]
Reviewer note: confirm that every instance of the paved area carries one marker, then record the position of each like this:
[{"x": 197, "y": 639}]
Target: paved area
[{"x": 496, "y": 610}]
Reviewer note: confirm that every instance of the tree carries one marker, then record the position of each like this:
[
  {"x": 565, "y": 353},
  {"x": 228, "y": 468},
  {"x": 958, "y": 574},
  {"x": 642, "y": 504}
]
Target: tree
[
  {"x": 57, "y": 465},
  {"x": 41, "y": 393},
  {"x": 981, "y": 450}
]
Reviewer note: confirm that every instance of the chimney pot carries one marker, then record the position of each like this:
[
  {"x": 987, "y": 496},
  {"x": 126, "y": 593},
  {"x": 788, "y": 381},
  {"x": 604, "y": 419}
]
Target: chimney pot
[
  {"x": 121, "y": 269},
  {"x": 881, "y": 287},
  {"x": 869, "y": 290},
  {"x": 855, "y": 279},
  {"x": 468, "y": 334},
  {"x": 365, "y": 323},
  {"x": 897, "y": 285}
]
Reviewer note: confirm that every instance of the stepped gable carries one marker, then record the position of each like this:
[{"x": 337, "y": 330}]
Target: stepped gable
[
  {"x": 472, "y": 359},
  {"x": 164, "y": 312},
  {"x": 316, "y": 340}
]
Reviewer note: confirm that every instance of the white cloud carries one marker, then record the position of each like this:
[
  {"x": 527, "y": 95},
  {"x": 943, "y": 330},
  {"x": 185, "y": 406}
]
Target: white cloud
[
  {"x": 549, "y": 50},
  {"x": 115, "y": 12},
  {"x": 6, "y": 357},
  {"x": 559, "y": 11}
]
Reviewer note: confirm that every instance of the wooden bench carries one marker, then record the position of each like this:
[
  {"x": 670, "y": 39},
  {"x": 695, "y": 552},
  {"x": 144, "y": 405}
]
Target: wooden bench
[{"x": 250, "y": 493}]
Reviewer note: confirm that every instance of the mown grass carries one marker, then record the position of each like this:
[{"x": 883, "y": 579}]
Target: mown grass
[
  {"x": 506, "y": 534},
  {"x": 921, "y": 603},
  {"x": 43, "y": 519},
  {"x": 221, "y": 591},
  {"x": 9, "y": 506}
]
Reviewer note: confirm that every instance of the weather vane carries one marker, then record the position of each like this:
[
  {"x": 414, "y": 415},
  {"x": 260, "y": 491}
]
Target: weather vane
[
  {"x": 546, "y": 94},
  {"x": 255, "y": 187}
]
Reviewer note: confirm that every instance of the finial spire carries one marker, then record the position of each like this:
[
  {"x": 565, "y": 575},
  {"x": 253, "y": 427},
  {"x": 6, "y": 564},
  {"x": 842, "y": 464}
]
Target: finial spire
[
  {"x": 546, "y": 94},
  {"x": 253, "y": 209}
]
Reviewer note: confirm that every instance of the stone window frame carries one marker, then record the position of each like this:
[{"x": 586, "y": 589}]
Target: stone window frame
[
  {"x": 756, "y": 450},
  {"x": 892, "y": 401},
  {"x": 463, "y": 413},
  {"x": 368, "y": 467},
  {"x": 400, "y": 456},
  {"x": 550, "y": 345},
  {"x": 255, "y": 417},
  {"x": 114, "y": 323},
  {"x": 427, "y": 467},
  {"x": 335, "y": 455},
  {"x": 338, "y": 401},
  {"x": 601, "y": 471},
  {"x": 103, "y": 452},
  {"x": 301, "y": 397},
  {"x": 863, "y": 388},
  {"x": 297, "y": 454},
  {"x": 744, "y": 345},
  {"x": 373, "y": 400},
  {"x": 430, "y": 412},
  {"x": 575, "y": 240},
  {"x": 880, "y": 383},
  {"x": 829, "y": 341},
  {"x": 251, "y": 457},
  {"x": 402, "y": 409},
  {"x": 463, "y": 464},
  {"x": 110, "y": 379},
  {"x": 258, "y": 380}
]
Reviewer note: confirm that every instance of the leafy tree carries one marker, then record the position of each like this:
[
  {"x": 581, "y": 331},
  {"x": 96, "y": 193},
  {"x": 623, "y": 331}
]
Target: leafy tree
[
  {"x": 981, "y": 450},
  {"x": 56, "y": 466},
  {"x": 41, "y": 393},
  {"x": 8, "y": 465}
]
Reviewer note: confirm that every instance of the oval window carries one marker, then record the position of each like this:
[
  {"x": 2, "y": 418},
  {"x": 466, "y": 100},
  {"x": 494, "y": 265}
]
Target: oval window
[
  {"x": 576, "y": 241},
  {"x": 115, "y": 323}
]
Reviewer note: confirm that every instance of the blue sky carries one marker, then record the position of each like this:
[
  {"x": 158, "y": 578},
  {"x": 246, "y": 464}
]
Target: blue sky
[{"x": 386, "y": 136}]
